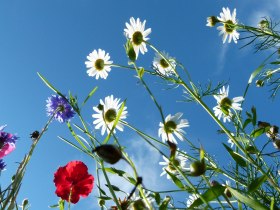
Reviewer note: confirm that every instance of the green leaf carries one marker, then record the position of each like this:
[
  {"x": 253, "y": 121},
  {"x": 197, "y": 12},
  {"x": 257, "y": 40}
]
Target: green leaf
[
  {"x": 246, "y": 122},
  {"x": 259, "y": 131},
  {"x": 132, "y": 180},
  {"x": 176, "y": 180},
  {"x": 275, "y": 62},
  {"x": 141, "y": 72},
  {"x": 201, "y": 153},
  {"x": 209, "y": 195},
  {"x": 254, "y": 119},
  {"x": 255, "y": 73},
  {"x": 164, "y": 204},
  {"x": 115, "y": 188},
  {"x": 254, "y": 204},
  {"x": 256, "y": 183},
  {"x": 104, "y": 198},
  {"x": 50, "y": 85},
  {"x": 115, "y": 171},
  {"x": 157, "y": 198},
  {"x": 89, "y": 95},
  {"x": 242, "y": 139},
  {"x": 237, "y": 157}
]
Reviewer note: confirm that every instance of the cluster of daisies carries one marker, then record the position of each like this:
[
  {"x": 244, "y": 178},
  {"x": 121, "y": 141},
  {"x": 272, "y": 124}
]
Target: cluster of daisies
[
  {"x": 99, "y": 63},
  {"x": 111, "y": 112}
]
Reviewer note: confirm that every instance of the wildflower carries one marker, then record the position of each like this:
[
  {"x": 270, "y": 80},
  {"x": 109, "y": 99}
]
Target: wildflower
[
  {"x": 225, "y": 104},
  {"x": 60, "y": 108},
  {"x": 191, "y": 199},
  {"x": 7, "y": 142},
  {"x": 165, "y": 68},
  {"x": 106, "y": 115},
  {"x": 98, "y": 64},
  {"x": 140, "y": 201},
  {"x": 179, "y": 161},
  {"x": 211, "y": 21},
  {"x": 2, "y": 165},
  {"x": 172, "y": 125},
  {"x": 73, "y": 181},
  {"x": 136, "y": 33},
  {"x": 228, "y": 29}
]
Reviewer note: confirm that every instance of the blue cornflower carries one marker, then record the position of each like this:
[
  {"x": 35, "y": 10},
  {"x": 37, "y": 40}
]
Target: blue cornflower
[
  {"x": 60, "y": 108},
  {"x": 2, "y": 165}
]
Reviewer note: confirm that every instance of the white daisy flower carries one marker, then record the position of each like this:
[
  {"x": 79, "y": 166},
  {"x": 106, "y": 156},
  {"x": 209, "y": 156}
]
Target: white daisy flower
[
  {"x": 98, "y": 64},
  {"x": 137, "y": 34},
  {"x": 191, "y": 199},
  {"x": 173, "y": 125},
  {"x": 225, "y": 104},
  {"x": 228, "y": 29},
  {"x": 179, "y": 161},
  {"x": 162, "y": 65},
  {"x": 138, "y": 197},
  {"x": 211, "y": 21},
  {"x": 106, "y": 115}
]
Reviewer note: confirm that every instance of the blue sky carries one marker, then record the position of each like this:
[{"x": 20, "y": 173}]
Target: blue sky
[{"x": 54, "y": 38}]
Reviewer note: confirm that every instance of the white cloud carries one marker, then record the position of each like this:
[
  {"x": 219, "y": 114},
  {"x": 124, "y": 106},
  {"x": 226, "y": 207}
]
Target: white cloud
[{"x": 221, "y": 59}]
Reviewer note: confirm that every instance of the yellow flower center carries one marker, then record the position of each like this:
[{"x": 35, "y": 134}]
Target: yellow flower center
[
  {"x": 229, "y": 26},
  {"x": 163, "y": 63},
  {"x": 170, "y": 126},
  {"x": 225, "y": 105},
  {"x": 99, "y": 64},
  {"x": 137, "y": 38},
  {"x": 110, "y": 115}
]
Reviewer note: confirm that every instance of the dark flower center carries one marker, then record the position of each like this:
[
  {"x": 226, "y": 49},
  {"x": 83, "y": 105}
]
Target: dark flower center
[
  {"x": 60, "y": 108},
  {"x": 110, "y": 115},
  {"x": 163, "y": 63},
  {"x": 229, "y": 26},
  {"x": 137, "y": 38},
  {"x": 170, "y": 126},
  {"x": 225, "y": 105},
  {"x": 175, "y": 162},
  {"x": 99, "y": 64}
]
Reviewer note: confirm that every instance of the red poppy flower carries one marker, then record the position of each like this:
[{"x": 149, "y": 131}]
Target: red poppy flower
[{"x": 73, "y": 181}]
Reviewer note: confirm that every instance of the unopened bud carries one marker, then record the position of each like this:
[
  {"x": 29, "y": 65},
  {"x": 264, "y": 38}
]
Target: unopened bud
[
  {"x": 263, "y": 124},
  {"x": 251, "y": 149},
  {"x": 130, "y": 51},
  {"x": 263, "y": 24},
  {"x": 109, "y": 153},
  {"x": 228, "y": 193},
  {"x": 259, "y": 83},
  {"x": 101, "y": 202},
  {"x": 211, "y": 21},
  {"x": 276, "y": 143},
  {"x": 197, "y": 168},
  {"x": 24, "y": 203}
]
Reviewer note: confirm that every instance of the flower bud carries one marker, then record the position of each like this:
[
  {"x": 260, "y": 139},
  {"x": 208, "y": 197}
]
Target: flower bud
[
  {"x": 197, "y": 168},
  {"x": 263, "y": 124},
  {"x": 273, "y": 131},
  {"x": 24, "y": 203},
  {"x": 211, "y": 21},
  {"x": 214, "y": 183},
  {"x": 109, "y": 153},
  {"x": 130, "y": 51},
  {"x": 276, "y": 143},
  {"x": 228, "y": 193},
  {"x": 251, "y": 149},
  {"x": 263, "y": 24},
  {"x": 101, "y": 202},
  {"x": 259, "y": 83}
]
